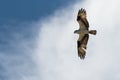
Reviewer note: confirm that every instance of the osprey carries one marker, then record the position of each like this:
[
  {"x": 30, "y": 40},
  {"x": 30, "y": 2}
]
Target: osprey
[{"x": 83, "y": 32}]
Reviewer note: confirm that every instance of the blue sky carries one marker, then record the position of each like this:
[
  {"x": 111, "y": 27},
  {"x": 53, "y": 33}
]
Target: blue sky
[
  {"x": 17, "y": 32},
  {"x": 27, "y": 10},
  {"x": 16, "y": 13},
  {"x": 37, "y": 40}
]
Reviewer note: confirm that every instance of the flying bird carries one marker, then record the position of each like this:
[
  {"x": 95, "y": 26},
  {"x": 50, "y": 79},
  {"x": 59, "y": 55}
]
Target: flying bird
[{"x": 83, "y": 33}]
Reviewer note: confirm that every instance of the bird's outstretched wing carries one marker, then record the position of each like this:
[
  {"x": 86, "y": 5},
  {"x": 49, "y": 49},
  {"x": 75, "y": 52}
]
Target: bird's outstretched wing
[
  {"x": 82, "y": 19},
  {"x": 82, "y": 45}
]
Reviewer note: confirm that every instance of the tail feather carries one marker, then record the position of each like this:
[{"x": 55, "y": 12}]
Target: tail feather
[{"x": 93, "y": 32}]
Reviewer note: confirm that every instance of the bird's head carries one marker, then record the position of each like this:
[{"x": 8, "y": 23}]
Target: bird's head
[{"x": 76, "y": 32}]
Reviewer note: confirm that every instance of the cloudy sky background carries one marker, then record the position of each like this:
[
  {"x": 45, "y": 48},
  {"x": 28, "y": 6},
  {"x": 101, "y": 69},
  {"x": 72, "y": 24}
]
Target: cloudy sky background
[{"x": 44, "y": 48}]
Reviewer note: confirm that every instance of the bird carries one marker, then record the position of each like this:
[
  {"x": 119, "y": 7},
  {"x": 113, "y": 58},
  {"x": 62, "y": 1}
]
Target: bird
[{"x": 83, "y": 33}]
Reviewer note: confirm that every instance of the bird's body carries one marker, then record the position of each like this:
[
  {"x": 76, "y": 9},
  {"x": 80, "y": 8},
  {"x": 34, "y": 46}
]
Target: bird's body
[{"x": 83, "y": 33}]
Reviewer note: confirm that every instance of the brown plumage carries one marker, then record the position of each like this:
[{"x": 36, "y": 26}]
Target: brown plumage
[{"x": 83, "y": 33}]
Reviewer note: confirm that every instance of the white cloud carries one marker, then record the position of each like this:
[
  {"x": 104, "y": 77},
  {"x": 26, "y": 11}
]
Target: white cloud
[
  {"x": 56, "y": 51},
  {"x": 56, "y": 54}
]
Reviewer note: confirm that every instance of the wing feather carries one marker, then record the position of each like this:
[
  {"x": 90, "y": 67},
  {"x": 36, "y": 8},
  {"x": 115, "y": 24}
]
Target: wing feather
[
  {"x": 82, "y": 46},
  {"x": 83, "y": 22}
]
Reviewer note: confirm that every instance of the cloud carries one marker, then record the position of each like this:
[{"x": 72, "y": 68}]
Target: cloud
[
  {"x": 16, "y": 50},
  {"x": 57, "y": 53},
  {"x": 51, "y": 54}
]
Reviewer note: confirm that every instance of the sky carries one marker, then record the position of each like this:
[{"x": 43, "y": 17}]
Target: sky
[
  {"x": 29, "y": 10},
  {"x": 42, "y": 46}
]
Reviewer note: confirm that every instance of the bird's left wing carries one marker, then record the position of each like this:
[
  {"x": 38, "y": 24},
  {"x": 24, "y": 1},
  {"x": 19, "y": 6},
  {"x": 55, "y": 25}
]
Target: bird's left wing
[
  {"x": 82, "y": 45},
  {"x": 82, "y": 20}
]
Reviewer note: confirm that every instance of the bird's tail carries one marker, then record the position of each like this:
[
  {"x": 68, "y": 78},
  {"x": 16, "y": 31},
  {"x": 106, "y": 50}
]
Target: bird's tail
[{"x": 93, "y": 32}]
